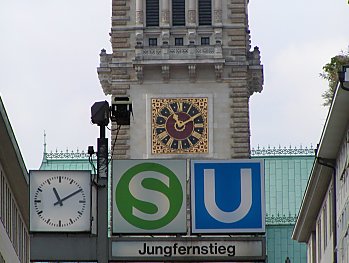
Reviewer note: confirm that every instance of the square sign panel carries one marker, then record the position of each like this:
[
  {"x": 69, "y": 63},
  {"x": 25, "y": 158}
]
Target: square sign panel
[
  {"x": 149, "y": 196},
  {"x": 227, "y": 196}
]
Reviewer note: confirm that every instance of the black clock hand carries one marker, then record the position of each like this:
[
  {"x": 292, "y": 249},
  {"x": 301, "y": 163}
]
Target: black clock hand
[
  {"x": 68, "y": 196},
  {"x": 59, "y": 201}
]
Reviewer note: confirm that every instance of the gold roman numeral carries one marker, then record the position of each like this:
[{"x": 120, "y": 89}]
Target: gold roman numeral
[
  {"x": 162, "y": 135},
  {"x": 170, "y": 109},
  {"x": 169, "y": 142},
  {"x": 162, "y": 116},
  {"x": 196, "y": 135},
  {"x": 198, "y": 125},
  {"x": 179, "y": 106},
  {"x": 180, "y": 145}
]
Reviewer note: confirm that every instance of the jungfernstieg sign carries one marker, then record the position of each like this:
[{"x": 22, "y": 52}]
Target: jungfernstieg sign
[{"x": 197, "y": 248}]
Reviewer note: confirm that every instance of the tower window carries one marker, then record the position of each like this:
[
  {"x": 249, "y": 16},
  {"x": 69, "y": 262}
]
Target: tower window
[
  {"x": 153, "y": 41},
  {"x": 179, "y": 41},
  {"x": 152, "y": 13},
  {"x": 205, "y": 9},
  {"x": 178, "y": 12},
  {"x": 205, "y": 41}
]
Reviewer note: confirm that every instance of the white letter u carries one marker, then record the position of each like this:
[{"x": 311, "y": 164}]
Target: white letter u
[{"x": 210, "y": 197}]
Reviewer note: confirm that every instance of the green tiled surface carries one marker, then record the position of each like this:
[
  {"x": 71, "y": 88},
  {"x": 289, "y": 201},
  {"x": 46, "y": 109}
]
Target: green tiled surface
[
  {"x": 66, "y": 164},
  {"x": 280, "y": 245},
  {"x": 286, "y": 178}
]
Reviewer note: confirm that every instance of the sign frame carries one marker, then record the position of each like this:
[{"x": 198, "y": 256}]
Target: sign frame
[
  {"x": 123, "y": 249},
  {"x": 251, "y": 220},
  {"x": 171, "y": 172}
]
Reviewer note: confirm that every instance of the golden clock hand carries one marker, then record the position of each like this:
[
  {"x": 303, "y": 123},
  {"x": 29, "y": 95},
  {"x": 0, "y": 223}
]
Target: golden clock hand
[
  {"x": 175, "y": 117},
  {"x": 178, "y": 122},
  {"x": 192, "y": 118}
]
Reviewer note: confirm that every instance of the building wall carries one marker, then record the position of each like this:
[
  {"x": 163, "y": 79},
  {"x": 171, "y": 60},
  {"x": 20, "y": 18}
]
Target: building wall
[
  {"x": 342, "y": 177},
  {"x": 14, "y": 237},
  {"x": 324, "y": 206},
  {"x": 323, "y": 246},
  {"x": 14, "y": 205}
]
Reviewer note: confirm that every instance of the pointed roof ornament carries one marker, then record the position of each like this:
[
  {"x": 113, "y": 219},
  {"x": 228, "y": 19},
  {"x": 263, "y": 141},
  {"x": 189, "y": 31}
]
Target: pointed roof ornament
[
  {"x": 44, "y": 156},
  {"x": 45, "y": 143}
]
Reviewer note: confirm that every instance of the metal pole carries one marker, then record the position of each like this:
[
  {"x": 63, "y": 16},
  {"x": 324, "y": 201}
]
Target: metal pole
[{"x": 102, "y": 198}]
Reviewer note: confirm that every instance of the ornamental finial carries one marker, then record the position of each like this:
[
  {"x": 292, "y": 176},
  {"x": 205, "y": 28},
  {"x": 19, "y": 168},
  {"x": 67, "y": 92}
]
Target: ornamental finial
[{"x": 45, "y": 142}]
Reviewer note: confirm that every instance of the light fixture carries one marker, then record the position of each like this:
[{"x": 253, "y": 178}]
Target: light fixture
[
  {"x": 343, "y": 77},
  {"x": 100, "y": 113},
  {"x": 121, "y": 109}
]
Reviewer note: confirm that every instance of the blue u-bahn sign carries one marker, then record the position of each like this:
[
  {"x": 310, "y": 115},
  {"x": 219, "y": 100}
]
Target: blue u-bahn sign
[{"x": 227, "y": 196}]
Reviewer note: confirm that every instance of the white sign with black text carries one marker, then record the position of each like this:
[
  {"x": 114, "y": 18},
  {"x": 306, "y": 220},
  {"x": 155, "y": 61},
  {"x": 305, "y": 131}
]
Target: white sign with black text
[{"x": 186, "y": 249}]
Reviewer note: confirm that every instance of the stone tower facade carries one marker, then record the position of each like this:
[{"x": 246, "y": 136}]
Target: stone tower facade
[{"x": 182, "y": 52}]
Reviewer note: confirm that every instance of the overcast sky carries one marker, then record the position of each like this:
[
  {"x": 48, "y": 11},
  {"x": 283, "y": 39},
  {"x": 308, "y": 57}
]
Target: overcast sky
[{"x": 49, "y": 53}]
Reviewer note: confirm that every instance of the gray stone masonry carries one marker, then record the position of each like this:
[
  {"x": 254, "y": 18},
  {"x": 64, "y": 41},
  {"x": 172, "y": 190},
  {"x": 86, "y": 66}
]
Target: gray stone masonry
[{"x": 227, "y": 64}]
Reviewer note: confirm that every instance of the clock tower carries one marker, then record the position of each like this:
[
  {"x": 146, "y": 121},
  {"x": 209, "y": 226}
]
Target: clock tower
[{"x": 189, "y": 70}]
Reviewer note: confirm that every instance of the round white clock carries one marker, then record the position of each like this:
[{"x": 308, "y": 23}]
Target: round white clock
[{"x": 60, "y": 201}]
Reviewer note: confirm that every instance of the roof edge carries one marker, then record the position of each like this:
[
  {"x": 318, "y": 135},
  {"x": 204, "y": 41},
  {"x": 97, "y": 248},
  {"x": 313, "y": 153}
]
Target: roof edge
[
  {"x": 13, "y": 140},
  {"x": 312, "y": 202}
]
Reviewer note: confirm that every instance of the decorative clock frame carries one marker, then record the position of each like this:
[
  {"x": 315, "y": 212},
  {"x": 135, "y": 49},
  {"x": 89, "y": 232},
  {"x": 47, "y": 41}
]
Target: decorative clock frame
[{"x": 180, "y": 124}]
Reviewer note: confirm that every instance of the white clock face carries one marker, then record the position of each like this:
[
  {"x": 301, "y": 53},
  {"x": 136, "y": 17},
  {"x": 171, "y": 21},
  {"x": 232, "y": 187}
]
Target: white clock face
[{"x": 60, "y": 201}]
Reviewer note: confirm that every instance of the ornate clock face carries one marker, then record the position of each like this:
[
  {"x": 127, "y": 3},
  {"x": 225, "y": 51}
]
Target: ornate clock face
[
  {"x": 60, "y": 201},
  {"x": 179, "y": 125}
]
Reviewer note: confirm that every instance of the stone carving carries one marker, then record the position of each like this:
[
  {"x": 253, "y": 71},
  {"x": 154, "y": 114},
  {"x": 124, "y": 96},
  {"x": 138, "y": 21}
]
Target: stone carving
[
  {"x": 165, "y": 16},
  {"x": 165, "y": 71},
  {"x": 139, "y": 73},
  {"x": 217, "y": 16},
  {"x": 218, "y": 70},
  {"x": 191, "y": 36},
  {"x": 139, "y": 38},
  {"x": 255, "y": 77},
  {"x": 192, "y": 72},
  {"x": 165, "y": 37},
  {"x": 139, "y": 17},
  {"x": 218, "y": 35},
  {"x": 191, "y": 16}
]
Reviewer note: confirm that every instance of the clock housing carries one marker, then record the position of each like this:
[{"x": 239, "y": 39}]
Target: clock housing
[{"x": 60, "y": 201}]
